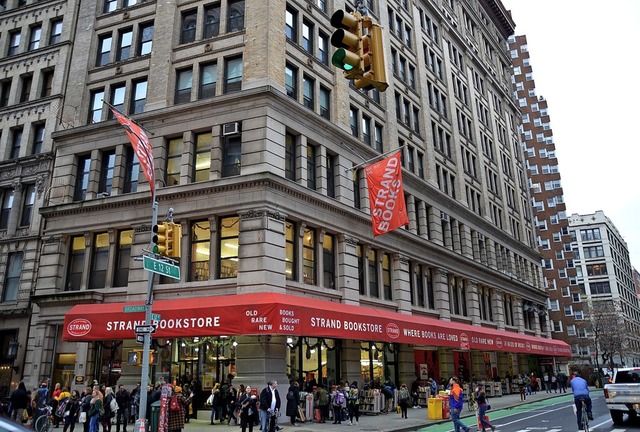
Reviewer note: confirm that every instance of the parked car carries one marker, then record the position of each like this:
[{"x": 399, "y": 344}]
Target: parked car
[
  {"x": 6, "y": 425},
  {"x": 623, "y": 394}
]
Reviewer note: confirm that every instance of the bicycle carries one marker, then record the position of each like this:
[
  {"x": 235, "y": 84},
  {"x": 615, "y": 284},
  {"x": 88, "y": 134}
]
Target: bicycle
[
  {"x": 43, "y": 423},
  {"x": 585, "y": 416}
]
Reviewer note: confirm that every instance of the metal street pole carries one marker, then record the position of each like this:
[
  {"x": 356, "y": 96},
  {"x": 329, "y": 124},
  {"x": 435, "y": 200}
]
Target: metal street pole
[{"x": 144, "y": 379}]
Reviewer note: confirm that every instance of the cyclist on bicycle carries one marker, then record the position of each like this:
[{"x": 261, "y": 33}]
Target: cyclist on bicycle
[
  {"x": 39, "y": 402},
  {"x": 581, "y": 393}
]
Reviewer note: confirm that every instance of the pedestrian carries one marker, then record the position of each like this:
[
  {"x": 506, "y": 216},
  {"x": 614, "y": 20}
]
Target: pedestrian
[
  {"x": 248, "y": 409},
  {"x": 483, "y": 407},
  {"x": 123, "y": 398},
  {"x": 554, "y": 383},
  {"x": 322, "y": 403},
  {"x": 269, "y": 404},
  {"x": 177, "y": 407},
  {"x": 40, "y": 397},
  {"x": 19, "y": 402},
  {"x": 415, "y": 387},
  {"x": 72, "y": 412},
  {"x": 135, "y": 404},
  {"x": 433, "y": 387},
  {"x": 109, "y": 413},
  {"x": 188, "y": 399},
  {"x": 547, "y": 382},
  {"x": 520, "y": 383},
  {"x": 85, "y": 406},
  {"x": 337, "y": 402},
  {"x": 94, "y": 410},
  {"x": 403, "y": 400},
  {"x": 216, "y": 406},
  {"x": 527, "y": 385},
  {"x": 293, "y": 402},
  {"x": 61, "y": 397},
  {"x": 562, "y": 382},
  {"x": 353, "y": 404},
  {"x": 456, "y": 403}
]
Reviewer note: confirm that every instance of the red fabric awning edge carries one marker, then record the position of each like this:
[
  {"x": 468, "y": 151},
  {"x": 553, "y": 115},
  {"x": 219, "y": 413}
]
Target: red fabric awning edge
[{"x": 284, "y": 314}]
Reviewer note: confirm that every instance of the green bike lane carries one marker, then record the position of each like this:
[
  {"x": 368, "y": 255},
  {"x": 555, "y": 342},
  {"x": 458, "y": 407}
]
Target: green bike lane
[{"x": 496, "y": 414}]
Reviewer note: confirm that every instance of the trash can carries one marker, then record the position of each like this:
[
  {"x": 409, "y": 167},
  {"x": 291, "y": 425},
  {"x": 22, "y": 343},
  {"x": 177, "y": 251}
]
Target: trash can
[
  {"x": 434, "y": 408},
  {"x": 155, "y": 417},
  {"x": 445, "y": 406}
]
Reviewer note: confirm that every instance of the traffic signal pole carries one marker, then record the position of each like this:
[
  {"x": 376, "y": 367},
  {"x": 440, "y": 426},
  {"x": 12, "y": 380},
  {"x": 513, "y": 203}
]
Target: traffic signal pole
[{"x": 141, "y": 425}]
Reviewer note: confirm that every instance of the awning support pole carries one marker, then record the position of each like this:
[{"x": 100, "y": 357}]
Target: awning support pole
[{"x": 140, "y": 425}]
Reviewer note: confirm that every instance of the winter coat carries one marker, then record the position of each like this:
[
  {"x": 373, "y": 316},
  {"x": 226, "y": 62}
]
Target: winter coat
[
  {"x": 248, "y": 403},
  {"x": 176, "y": 418},
  {"x": 292, "y": 404},
  {"x": 19, "y": 397}
]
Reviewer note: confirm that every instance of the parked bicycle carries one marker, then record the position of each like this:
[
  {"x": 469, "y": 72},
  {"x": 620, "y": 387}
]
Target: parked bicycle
[{"x": 43, "y": 421}]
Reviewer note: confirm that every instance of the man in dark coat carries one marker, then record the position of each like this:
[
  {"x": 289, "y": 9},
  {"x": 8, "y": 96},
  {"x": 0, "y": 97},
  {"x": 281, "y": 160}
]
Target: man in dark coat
[
  {"x": 19, "y": 402},
  {"x": 293, "y": 401},
  {"x": 269, "y": 403}
]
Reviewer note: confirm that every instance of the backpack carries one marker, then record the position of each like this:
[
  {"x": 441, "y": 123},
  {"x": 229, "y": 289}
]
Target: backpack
[
  {"x": 339, "y": 398},
  {"x": 174, "y": 405},
  {"x": 403, "y": 395},
  {"x": 291, "y": 395}
]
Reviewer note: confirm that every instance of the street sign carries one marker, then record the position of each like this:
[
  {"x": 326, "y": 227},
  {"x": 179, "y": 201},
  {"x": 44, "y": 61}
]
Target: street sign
[
  {"x": 143, "y": 329},
  {"x": 140, "y": 338},
  {"x": 161, "y": 267},
  {"x": 136, "y": 308},
  {"x": 155, "y": 317}
]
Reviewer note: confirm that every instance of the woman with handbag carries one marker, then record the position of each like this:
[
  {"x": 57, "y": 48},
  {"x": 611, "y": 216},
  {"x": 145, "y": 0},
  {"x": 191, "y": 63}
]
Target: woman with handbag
[
  {"x": 248, "y": 409},
  {"x": 72, "y": 411},
  {"x": 293, "y": 402},
  {"x": 483, "y": 407}
]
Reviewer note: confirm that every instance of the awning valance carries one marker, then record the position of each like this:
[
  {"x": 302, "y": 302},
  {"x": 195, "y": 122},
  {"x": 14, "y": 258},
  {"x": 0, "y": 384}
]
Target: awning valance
[{"x": 283, "y": 314}]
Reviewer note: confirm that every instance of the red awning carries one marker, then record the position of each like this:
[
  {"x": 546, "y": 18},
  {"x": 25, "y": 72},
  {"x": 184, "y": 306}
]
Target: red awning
[{"x": 282, "y": 314}]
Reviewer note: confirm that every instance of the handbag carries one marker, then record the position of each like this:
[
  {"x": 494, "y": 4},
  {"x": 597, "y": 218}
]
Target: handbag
[
  {"x": 83, "y": 417},
  {"x": 25, "y": 416},
  {"x": 113, "y": 405}
]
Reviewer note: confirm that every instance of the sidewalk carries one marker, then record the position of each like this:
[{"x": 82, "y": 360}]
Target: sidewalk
[{"x": 417, "y": 418}]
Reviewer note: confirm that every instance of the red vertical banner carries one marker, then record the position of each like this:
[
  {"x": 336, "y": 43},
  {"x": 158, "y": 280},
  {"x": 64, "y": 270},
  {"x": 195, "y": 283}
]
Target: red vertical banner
[
  {"x": 141, "y": 146},
  {"x": 386, "y": 195}
]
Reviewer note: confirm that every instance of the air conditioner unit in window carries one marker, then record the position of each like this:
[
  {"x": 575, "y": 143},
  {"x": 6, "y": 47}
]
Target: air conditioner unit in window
[
  {"x": 444, "y": 216},
  {"x": 231, "y": 129}
]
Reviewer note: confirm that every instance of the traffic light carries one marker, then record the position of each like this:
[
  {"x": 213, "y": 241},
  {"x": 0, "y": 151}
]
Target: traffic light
[
  {"x": 348, "y": 40},
  {"x": 360, "y": 55},
  {"x": 160, "y": 239},
  {"x": 174, "y": 232},
  {"x": 374, "y": 74}
]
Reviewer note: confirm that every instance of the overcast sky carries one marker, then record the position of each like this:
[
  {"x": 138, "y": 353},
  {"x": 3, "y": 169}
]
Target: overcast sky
[{"x": 585, "y": 60}]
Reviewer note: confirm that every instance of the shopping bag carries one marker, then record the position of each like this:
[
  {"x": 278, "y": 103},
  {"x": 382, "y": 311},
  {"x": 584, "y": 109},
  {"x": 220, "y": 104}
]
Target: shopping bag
[
  {"x": 486, "y": 418},
  {"x": 317, "y": 415},
  {"x": 83, "y": 417}
]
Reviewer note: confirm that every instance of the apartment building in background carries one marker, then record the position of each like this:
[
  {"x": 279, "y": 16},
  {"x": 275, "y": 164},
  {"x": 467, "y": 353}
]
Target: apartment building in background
[
  {"x": 35, "y": 44},
  {"x": 255, "y": 138},
  {"x": 605, "y": 275},
  {"x": 547, "y": 201}
]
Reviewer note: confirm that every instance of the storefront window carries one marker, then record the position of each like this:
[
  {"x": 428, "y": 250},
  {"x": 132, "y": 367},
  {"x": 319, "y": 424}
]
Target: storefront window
[
  {"x": 109, "y": 360},
  {"x": 378, "y": 362},
  {"x": 202, "y": 362},
  {"x": 313, "y": 360}
]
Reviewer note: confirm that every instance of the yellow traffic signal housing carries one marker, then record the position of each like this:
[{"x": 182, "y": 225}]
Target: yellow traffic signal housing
[
  {"x": 374, "y": 74},
  {"x": 348, "y": 40},
  {"x": 174, "y": 234},
  {"x": 360, "y": 55},
  {"x": 160, "y": 239}
]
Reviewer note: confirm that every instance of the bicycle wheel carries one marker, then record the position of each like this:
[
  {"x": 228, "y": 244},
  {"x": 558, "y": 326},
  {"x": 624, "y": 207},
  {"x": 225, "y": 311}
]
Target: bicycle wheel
[
  {"x": 43, "y": 424},
  {"x": 585, "y": 418}
]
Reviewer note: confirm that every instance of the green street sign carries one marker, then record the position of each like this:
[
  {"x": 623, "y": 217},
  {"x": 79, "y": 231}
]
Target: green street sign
[
  {"x": 161, "y": 267},
  {"x": 137, "y": 308},
  {"x": 155, "y": 317}
]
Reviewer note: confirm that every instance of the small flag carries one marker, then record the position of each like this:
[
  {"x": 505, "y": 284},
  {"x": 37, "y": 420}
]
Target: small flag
[
  {"x": 386, "y": 195},
  {"x": 141, "y": 145}
]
